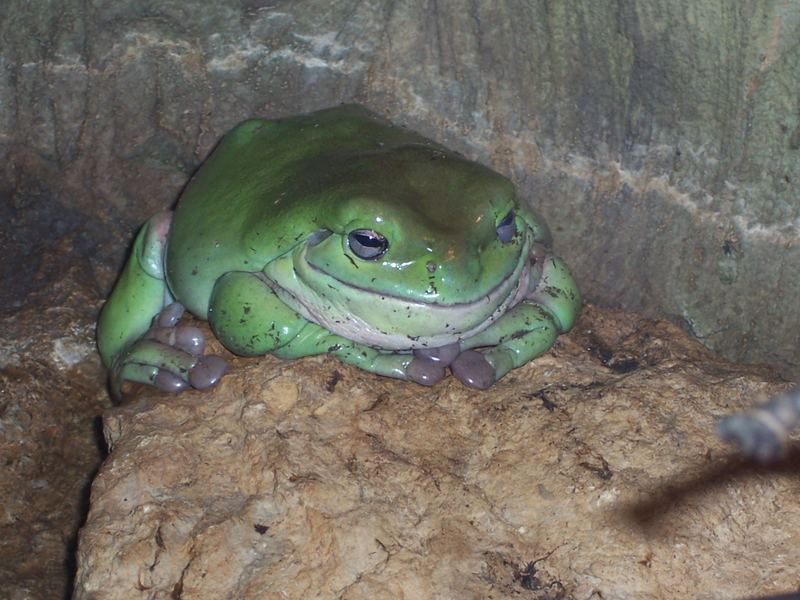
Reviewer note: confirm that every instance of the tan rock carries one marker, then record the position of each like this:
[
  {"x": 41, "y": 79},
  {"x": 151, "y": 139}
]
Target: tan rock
[
  {"x": 592, "y": 472},
  {"x": 51, "y": 393}
]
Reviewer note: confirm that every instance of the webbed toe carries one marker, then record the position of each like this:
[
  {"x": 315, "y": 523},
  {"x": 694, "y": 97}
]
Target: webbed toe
[
  {"x": 207, "y": 372},
  {"x": 442, "y": 355},
  {"x": 424, "y": 371},
  {"x": 473, "y": 370},
  {"x": 167, "y": 382},
  {"x": 169, "y": 315},
  {"x": 169, "y": 356}
]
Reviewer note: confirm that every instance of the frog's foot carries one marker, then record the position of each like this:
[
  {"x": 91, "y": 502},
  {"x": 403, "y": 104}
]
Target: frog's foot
[
  {"x": 169, "y": 356},
  {"x": 522, "y": 334},
  {"x": 473, "y": 370},
  {"x": 525, "y": 331},
  {"x": 468, "y": 366},
  {"x": 429, "y": 364}
]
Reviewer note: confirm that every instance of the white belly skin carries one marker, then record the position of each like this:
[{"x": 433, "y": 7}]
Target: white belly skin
[{"x": 394, "y": 323}]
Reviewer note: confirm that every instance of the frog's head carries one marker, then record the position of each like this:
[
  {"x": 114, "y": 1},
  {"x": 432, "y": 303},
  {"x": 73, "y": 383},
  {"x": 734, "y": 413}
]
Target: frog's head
[{"x": 415, "y": 247}]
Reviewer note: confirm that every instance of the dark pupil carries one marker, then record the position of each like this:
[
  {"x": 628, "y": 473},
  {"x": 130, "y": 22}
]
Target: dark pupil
[
  {"x": 368, "y": 240},
  {"x": 507, "y": 220},
  {"x": 367, "y": 244}
]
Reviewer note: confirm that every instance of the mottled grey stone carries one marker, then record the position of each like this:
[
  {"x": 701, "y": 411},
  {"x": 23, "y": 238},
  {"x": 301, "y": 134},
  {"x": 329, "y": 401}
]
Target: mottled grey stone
[{"x": 661, "y": 139}]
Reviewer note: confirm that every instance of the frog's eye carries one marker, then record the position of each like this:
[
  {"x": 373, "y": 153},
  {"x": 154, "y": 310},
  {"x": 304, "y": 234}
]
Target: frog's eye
[
  {"x": 367, "y": 244},
  {"x": 507, "y": 228}
]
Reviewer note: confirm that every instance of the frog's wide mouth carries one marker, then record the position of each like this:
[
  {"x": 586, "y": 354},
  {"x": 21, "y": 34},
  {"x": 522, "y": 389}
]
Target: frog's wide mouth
[
  {"x": 444, "y": 307},
  {"x": 389, "y": 321}
]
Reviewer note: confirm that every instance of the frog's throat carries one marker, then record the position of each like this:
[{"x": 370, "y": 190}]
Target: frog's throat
[{"x": 390, "y": 322}]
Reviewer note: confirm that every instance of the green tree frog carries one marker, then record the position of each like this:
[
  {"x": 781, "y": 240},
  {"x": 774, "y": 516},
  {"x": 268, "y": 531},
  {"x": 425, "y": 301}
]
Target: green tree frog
[{"x": 337, "y": 232}]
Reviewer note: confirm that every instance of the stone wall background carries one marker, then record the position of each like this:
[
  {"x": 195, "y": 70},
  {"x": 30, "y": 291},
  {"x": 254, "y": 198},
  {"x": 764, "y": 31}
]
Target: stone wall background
[{"x": 660, "y": 138}]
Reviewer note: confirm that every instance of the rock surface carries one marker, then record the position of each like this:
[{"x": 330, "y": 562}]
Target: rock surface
[
  {"x": 592, "y": 472},
  {"x": 51, "y": 392}
]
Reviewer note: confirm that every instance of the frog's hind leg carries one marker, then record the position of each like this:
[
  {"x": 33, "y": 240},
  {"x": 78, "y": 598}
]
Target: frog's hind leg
[
  {"x": 138, "y": 336},
  {"x": 139, "y": 294}
]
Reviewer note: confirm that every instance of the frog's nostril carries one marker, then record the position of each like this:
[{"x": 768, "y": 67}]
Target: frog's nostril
[
  {"x": 431, "y": 266},
  {"x": 318, "y": 236}
]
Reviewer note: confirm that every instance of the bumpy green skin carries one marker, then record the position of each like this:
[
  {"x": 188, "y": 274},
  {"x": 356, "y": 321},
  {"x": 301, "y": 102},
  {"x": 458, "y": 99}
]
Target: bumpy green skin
[{"x": 244, "y": 251}]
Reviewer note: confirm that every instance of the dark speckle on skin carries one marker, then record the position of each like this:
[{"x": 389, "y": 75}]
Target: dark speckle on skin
[
  {"x": 350, "y": 258},
  {"x": 334, "y": 348}
]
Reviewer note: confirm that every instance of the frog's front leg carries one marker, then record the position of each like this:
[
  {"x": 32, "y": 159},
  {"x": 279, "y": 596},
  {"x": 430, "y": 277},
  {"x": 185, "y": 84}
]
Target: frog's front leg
[
  {"x": 524, "y": 332},
  {"x": 138, "y": 336},
  {"x": 250, "y": 319},
  {"x": 399, "y": 365}
]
